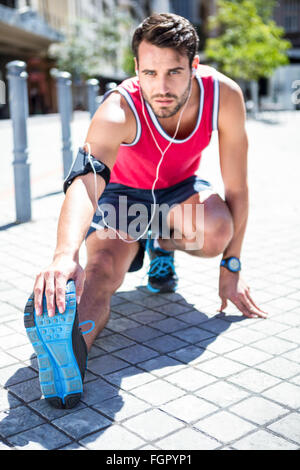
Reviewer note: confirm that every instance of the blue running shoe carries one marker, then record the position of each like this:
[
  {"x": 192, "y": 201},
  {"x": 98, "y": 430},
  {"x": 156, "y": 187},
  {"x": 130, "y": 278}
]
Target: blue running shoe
[
  {"x": 61, "y": 350},
  {"x": 162, "y": 276}
]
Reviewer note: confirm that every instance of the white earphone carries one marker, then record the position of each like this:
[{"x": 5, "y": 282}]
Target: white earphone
[{"x": 162, "y": 152}]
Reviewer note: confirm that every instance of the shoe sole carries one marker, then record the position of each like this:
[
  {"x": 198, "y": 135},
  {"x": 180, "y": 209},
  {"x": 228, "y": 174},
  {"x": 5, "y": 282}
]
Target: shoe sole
[
  {"x": 51, "y": 338},
  {"x": 162, "y": 290}
]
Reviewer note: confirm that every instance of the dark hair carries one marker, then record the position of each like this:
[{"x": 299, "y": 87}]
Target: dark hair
[{"x": 167, "y": 30}]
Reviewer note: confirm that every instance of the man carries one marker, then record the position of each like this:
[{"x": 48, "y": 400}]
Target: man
[{"x": 150, "y": 129}]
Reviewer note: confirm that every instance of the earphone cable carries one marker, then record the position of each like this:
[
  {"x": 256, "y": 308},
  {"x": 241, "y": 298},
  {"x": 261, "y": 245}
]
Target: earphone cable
[{"x": 157, "y": 168}]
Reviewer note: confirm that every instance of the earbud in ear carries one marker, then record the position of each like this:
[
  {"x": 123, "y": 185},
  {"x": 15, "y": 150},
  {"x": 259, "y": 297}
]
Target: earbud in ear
[{"x": 136, "y": 71}]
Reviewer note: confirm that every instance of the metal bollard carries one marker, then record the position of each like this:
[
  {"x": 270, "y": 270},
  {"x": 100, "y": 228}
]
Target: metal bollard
[
  {"x": 110, "y": 86},
  {"x": 64, "y": 91},
  {"x": 254, "y": 97},
  {"x": 93, "y": 90},
  {"x": 18, "y": 102}
]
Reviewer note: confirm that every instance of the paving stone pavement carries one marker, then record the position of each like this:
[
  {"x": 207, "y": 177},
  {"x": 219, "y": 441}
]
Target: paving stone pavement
[{"x": 168, "y": 372}]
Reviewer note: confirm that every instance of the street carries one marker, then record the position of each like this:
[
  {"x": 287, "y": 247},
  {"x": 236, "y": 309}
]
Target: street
[{"x": 168, "y": 371}]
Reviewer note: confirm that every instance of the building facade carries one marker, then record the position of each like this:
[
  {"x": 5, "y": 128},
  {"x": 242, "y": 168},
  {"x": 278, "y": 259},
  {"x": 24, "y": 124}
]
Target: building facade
[
  {"x": 286, "y": 80},
  {"x": 278, "y": 92},
  {"x": 25, "y": 34},
  {"x": 29, "y": 27},
  {"x": 287, "y": 15}
]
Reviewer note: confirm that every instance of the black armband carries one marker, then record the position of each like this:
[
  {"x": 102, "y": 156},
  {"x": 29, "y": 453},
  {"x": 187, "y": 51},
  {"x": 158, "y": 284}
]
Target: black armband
[{"x": 82, "y": 166}]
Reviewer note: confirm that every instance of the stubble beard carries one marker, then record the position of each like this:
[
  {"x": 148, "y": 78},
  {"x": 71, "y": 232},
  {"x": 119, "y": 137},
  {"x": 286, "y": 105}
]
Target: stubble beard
[{"x": 167, "y": 113}]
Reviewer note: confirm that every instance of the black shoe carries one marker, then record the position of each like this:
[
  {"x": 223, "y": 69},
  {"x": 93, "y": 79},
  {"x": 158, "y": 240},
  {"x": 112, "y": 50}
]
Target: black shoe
[
  {"x": 162, "y": 276},
  {"x": 61, "y": 350}
]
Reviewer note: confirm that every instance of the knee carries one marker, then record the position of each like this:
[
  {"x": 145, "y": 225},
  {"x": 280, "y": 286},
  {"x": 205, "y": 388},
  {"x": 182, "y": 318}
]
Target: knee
[
  {"x": 103, "y": 270},
  {"x": 217, "y": 236},
  {"x": 209, "y": 240}
]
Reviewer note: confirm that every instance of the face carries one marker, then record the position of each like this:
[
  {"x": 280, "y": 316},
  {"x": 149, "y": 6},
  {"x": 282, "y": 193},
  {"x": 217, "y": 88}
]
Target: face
[{"x": 165, "y": 78}]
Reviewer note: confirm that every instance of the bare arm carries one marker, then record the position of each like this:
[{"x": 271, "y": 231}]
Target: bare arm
[
  {"x": 108, "y": 129},
  {"x": 233, "y": 149},
  {"x": 112, "y": 124}
]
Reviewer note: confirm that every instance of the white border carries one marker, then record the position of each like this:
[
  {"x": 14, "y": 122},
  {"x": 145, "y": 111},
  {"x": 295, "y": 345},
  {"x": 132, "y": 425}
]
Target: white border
[
  {"x": 131, "y": 104},
  {"x": 216, "y": 105}
]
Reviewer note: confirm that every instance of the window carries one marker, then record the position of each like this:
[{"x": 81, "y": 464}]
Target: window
[
  {"x": 9, "y": 3},
  {"x": 292, "y": 15},
  {"x": 290, "y": 23}
]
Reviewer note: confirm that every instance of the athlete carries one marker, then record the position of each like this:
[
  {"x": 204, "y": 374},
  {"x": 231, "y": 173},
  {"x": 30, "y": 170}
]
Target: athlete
[{"x": 151, "y": 128}]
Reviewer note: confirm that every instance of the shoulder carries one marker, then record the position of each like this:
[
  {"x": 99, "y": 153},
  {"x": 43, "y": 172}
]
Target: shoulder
[
  {"x": 228, "y": 87},
  {"x": 116, "y": 116},
  {"x": 230, "y": 91},
  {"x": 231, "y": 103},
  {"x": 231, "y": 99},
  {"x": 113, "y": 123},
  {"x": 115, "y": 107},
  {"x": 115, "y": 110}
]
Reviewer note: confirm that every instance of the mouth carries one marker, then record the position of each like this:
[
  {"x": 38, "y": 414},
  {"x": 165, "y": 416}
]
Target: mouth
[{"x": 164, "y": 102}]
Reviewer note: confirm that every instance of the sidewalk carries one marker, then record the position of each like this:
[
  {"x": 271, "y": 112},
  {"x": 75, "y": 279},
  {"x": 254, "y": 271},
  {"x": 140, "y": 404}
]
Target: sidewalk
[{"x": 168, "y": 372}]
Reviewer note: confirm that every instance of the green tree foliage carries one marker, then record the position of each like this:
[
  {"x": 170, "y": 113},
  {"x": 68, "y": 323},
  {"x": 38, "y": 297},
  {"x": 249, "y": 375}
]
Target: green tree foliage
[
  {"x": 128, "y": 62},
  {"x": 91, "y": 48},
  {"x": 249, "y": 45},
  {"x": 265, "y": 8}
]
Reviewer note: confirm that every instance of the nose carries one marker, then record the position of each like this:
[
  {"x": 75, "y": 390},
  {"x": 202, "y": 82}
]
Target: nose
[{"x": 161, "y": 85}]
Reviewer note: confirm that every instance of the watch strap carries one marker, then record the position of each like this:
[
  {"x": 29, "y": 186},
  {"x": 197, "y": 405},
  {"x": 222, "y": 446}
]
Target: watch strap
[{"x": 225, "y": 263}]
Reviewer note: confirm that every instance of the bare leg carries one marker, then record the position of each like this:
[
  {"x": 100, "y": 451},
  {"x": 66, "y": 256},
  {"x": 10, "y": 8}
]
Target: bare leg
[
  {"x": 108, "y": 260},
  {"x": 208, "y": 240}
]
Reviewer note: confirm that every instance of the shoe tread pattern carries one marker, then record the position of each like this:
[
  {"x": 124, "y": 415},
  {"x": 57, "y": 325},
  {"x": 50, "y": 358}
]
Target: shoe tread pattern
[{"x": 51, "y": 338}]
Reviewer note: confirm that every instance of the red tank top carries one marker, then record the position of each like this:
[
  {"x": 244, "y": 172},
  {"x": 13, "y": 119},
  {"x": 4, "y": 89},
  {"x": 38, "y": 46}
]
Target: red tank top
[{"x": 136, "y": 163}]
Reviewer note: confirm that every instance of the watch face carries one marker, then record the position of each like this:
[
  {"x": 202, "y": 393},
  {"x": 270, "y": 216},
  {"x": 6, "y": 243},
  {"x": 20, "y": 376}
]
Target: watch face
[{"x": 234, "y": 264}]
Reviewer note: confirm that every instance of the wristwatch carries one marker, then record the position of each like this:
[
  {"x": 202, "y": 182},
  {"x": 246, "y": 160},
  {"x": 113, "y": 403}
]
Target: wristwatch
[{"x": 233, "y": 264}]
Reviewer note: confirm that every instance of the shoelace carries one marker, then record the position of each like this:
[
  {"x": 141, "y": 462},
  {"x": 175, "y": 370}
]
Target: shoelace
[{"x": 160, "y": 266}]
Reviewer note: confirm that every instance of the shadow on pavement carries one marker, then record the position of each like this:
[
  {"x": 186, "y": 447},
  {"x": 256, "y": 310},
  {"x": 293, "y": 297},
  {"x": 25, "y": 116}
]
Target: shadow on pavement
[
  {"x": 44, "y": 196},
  {"x": 8, "y": 226},
  {"x": 119, "y": 355}
]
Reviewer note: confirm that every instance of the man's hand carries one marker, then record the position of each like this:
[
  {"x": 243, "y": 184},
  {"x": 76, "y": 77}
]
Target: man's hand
[
  {"x": 53, "y": 282},
  {"x": 233, "y": 288}
]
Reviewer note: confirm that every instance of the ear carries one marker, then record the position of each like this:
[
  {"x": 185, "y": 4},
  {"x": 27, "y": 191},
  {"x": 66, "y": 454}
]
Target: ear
[{"x": 195, "y": 64}]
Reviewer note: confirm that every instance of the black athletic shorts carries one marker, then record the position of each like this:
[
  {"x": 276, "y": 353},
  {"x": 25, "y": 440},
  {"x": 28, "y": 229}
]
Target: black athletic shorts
[{"x": 130, "y": 210}]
